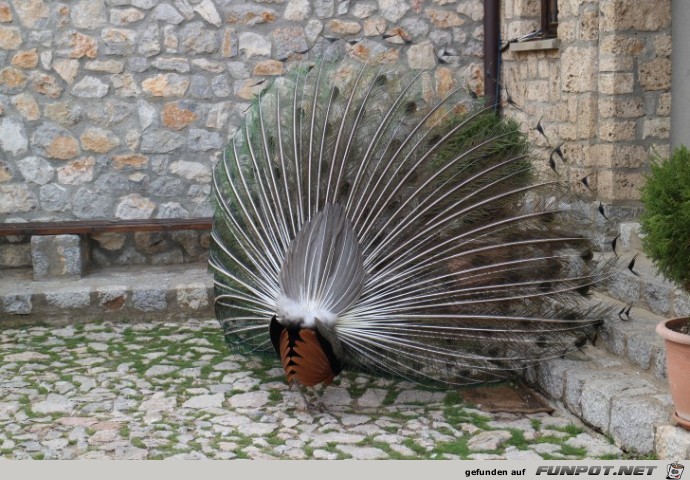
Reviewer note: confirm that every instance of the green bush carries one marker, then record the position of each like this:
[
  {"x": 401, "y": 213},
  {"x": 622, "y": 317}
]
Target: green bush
[{"x": 666, "y": 220}]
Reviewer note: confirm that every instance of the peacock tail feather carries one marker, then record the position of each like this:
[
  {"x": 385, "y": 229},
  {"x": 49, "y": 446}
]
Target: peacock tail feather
[{"x": 407, "y": 229}]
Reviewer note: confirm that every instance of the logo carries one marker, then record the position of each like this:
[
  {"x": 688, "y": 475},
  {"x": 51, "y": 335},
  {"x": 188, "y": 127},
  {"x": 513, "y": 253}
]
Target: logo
[{"x": 674, "y": 471}]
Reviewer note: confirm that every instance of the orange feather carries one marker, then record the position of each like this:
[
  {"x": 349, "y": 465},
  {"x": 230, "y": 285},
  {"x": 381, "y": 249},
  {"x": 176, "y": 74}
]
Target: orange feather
[{"x": 303, "y": 358}]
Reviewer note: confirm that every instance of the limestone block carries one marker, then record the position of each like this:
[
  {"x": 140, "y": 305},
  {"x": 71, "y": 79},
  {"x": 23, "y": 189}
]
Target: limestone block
[
  {"x": 656, "y": 75},
  {"x": 621, "y": 107},
  {"x": 620, "y": 185},
  {"x": 578, "y": 69},
  {"x": 56, "y": 256},
  {"x": 644, "y": 15},
  {"x": 619, "y": 156},
  {"x": 617, "y": 130},
  {"x": 657, "y": 128},
  {"x": 616, "y": 83}
]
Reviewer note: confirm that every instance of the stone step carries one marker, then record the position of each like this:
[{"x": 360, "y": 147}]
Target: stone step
[
  {"x": 133, "y": 293},
  {"x": 633, "y": 337},
  {"x": 614, "y": 397},
  {"x": 648, "y": 289}
]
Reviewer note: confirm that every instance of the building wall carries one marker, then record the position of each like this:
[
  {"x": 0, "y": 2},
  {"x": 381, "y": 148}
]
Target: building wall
[
  {"x": 604, "y": 94},
  {"x": 119, "y": 108}
]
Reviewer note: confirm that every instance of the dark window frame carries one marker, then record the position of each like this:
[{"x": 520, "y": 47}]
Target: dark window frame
[{"x": 549, "y": 18}]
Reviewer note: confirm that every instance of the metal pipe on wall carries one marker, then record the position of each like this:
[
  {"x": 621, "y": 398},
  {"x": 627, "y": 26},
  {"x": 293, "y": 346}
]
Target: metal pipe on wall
[
  {"x": 492, "y": 33},
  {"x": 680, "y": 76}
]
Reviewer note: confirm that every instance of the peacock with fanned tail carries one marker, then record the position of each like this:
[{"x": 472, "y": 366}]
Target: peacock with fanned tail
[{"x": 364, "y": 222}]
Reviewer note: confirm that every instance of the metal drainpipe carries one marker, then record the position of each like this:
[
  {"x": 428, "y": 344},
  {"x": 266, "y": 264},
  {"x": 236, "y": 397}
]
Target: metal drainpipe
[
  {"x": 492, "y": 32},
  {"x": 680, "y": 89}
]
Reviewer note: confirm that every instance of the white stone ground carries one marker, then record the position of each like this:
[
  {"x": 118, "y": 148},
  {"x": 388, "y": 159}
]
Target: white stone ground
[{"x": 172, "y": 390}]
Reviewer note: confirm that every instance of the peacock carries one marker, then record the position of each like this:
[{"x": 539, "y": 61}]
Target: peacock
[{"x": 365, "y": 220}]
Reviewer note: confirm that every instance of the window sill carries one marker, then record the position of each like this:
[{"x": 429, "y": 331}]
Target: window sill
[{"x": 535, "y": 45}]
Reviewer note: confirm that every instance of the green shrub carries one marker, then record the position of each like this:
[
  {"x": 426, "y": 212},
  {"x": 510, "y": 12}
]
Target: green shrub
[{"x": 666, "y": 220}]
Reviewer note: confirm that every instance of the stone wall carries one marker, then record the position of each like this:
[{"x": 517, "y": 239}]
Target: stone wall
[
  {"x": 604, "y": 93},
  {"x": 119, "y": 108}
]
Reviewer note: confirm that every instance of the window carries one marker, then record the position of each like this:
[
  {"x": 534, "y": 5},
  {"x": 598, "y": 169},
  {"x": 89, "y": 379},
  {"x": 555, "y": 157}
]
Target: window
[{"x": 549, "y": 18}]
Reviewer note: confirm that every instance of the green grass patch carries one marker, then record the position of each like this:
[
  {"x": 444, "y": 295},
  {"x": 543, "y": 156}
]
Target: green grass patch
[
  {"x": 390, "y": 397},
  {"x": 418, "y": 449},
  {"x": 573, "y": 451},
  {"x": 517, "y": 439},
  {"x": 274, "y": 395},
  {"x": 453, "y": 398}
]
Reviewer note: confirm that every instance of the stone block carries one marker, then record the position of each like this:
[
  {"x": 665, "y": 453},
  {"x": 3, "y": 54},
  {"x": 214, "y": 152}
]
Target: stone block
[
  {"x": 633, "y": 419},
  {"x": 579, "y": 67},
  {"x": 659, "y": 364},
  {"x": 613, "y": 335},
  {"x": 625, "y": 288},
  {"x": 15, "y": 255},
  {"x": 672, "y": 443},
  {"x": 657, "y": 295},
  {"x": 619, "y": 156},
  {"x": 601, "y": 395},
  {"x": 630, "y": 236},
  {"x": 616, "y": 83},
  {"x": 617, "y": 130},
  {"x": 616, "y": 63},
  {"x": 149, "y": 300},
  {"x": 620, "y": 185},
  {"x": 56, "y": 256},
  {"x": 642, "y": 345},
  {"x": 595, "y": 402},
  {"x": 656, "y": 74},
  {"x": 681, "y": 303},
  {"x": 17, "y": 304},
  {"x": 112, "y": 298},
  {"x": 70, "y": 299},
  {"x": 192, "y": 297},
  {"x": 551, "y": 378},
  {"x": 642, "y": 15},
  {"x": 657, "y": 128},
  {"x": 575, "y": 381},
  {"x": 621, "y": 106}
]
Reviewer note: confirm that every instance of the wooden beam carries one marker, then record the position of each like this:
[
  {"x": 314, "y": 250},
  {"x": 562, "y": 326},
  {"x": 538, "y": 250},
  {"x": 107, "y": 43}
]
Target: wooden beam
[{"x": 84, "y": 227}]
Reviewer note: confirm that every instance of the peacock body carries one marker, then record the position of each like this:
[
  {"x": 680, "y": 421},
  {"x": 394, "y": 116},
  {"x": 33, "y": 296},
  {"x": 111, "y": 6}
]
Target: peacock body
[{"x": 363, "y": 221}]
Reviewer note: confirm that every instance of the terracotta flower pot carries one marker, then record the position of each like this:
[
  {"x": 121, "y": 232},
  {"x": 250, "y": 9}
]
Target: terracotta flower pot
[{"x": 677, "y": 367}]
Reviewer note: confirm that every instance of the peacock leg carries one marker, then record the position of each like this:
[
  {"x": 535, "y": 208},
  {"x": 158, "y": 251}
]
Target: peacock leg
[{"x": 314, "y": 405}]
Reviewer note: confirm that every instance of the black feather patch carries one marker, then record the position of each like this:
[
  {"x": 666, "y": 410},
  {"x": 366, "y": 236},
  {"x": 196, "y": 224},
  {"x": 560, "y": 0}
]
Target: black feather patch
[
  {"x": 552, "y": 163},
  {"x": 601, "y": 210},
  {"x": 274, "y": 331},
  {"x": 584, "y": 181},
  {"x": 335, "y": 364},
  {"x": 613, "y": 244},
  {"x": 539, "y": 128},
  {"x": 631, "y": 265}
]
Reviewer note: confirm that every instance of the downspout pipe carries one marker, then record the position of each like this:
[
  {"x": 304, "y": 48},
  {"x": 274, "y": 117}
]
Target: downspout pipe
[
  {"x": 492, "y": 33},
  {"x": 680, "y": 77}
]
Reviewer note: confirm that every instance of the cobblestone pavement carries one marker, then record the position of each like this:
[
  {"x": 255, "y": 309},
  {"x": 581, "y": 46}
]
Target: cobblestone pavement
[{"x": 152, "y": 391}]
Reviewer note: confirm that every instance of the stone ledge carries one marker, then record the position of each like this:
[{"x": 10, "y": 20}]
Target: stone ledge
[
  {"x": 136, "y": 293},
  {"x": 536, "y": 45}
]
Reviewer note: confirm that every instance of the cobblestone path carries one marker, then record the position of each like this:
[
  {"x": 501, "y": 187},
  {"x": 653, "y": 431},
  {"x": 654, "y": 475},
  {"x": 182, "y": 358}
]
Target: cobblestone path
[{"x": 152, "y": 391}]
